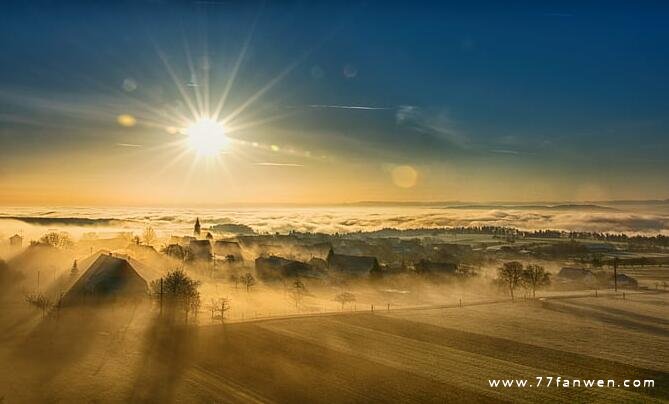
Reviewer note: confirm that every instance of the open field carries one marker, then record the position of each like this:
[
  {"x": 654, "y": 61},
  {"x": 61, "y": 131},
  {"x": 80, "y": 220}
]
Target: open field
[
  {"x": 428, "y": 355},
  {"x": 651, "y": 277}
]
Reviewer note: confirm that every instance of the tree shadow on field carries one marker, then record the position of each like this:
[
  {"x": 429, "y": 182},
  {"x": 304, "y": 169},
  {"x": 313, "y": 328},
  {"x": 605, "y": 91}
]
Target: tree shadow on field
[
  {"x": 605, "y": 315},
  {"x": 166, "y": 353},
  {"x": 59, "y": 341}
]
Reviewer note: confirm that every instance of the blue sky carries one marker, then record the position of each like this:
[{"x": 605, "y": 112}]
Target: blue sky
[{"x": 572, "y": 95}]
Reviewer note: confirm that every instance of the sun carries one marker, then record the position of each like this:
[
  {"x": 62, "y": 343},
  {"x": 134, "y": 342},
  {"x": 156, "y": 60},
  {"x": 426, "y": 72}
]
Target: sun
[{"x": 206, "y": 137}]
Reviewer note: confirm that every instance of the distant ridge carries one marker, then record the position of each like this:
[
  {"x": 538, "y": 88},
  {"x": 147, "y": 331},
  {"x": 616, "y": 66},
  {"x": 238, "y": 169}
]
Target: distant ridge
[
  {"x": 508, "y": 205},
  {"x": 67, "y": 221},
  {"x": 635, "y": 202}
]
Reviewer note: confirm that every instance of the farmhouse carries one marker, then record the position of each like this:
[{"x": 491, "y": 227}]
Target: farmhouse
[
  {"x": 626, "y": 281},
  {"x": 429, "y": 267},
  {"x": 352, "y": 264},
  {"x": 223, "y": 248},
  {"x": 16, "y": 241},
  {"x": 200, "y": 250},
  {"x": 107, "y": 278},
  {"x": 275, "y": 268}
]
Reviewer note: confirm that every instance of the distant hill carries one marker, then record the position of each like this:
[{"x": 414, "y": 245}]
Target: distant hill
[
  {"x": 64, "y": 221},
  {"x": 500, "y": 205},
  {"x": 239, "y": 229}
]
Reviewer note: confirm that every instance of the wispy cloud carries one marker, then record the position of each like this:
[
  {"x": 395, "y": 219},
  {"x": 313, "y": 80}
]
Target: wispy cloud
[
  {"x": 128, "y": 145},
  {"x": 269, "y": 164},
  {"x": 362, "y": 107},
  {"x": 503, "y": 151},
  {"x": 434, "y": 123}
]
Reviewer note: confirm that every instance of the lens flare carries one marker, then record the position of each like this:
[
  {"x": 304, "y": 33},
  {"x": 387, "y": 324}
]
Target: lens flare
[
  {"x": 404, "y": 176},
  {"x": 126, "y": 120}
]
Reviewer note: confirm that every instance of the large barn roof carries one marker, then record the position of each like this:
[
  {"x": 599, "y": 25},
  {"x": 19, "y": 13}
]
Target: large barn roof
[{"x": 107, "y": 276}]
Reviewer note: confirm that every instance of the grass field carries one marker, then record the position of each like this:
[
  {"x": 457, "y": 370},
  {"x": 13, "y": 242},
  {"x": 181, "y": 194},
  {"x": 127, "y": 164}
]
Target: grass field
[
  {"x": 427, "y": 355},
  {"x": 431, "y": 355}
]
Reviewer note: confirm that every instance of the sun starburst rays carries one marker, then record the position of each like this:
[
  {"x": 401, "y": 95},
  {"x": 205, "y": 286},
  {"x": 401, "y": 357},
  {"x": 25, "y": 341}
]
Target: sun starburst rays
[{"x": 207, "y": 129}]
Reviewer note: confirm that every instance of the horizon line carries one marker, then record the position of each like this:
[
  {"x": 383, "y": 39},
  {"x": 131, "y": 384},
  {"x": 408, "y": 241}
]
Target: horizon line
[{"x": 340, "y": 204}]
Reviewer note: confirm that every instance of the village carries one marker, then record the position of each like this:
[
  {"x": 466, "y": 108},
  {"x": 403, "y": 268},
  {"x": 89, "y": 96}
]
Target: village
[{"x": 56, "y": 271}]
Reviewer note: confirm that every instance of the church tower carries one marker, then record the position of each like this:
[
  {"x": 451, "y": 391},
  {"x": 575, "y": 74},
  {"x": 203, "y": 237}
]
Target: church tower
[{"x": 196, "y": 229}]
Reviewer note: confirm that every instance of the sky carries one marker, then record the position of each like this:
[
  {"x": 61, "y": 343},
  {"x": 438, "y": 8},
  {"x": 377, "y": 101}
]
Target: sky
[{"x": 324, "y": 102}]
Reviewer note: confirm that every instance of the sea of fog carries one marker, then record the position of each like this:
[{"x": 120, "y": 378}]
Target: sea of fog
[{"x": 647, "y": 218}]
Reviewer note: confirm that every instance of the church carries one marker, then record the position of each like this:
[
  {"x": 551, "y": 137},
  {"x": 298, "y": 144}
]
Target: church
[{"x": 196, "y": 228}]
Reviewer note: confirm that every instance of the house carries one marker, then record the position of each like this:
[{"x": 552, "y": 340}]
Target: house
[
  {"x": 141, "y": 251},
  {"x": 200, "y": 250},
  {"x": 575, "y": 274},
  {"x": 352, "y": 264},
  {"x": 276, "y": 268},
  {"x": 625, "y": 281},
  {"x": 429, "y": 267},
  {"x": 108, "y": 277},
  {"x": 181, "y": 240},
  {"x": 16, "y": 241},
  {"x": 225, "y": 249}
]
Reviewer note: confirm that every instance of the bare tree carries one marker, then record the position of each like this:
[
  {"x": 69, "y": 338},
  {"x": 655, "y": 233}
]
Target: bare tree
[
  {"x": 248, "y": 280},
  {"x": 343, "y": 298},
  {"x": 535, "y": 277},
  {"x": 40, "y": 301},
  {"x": 297, "y": 292},
  {"x": 510, "y": 274},
  {"x": 219, "y": 307},
  {"x": 149, "y": 236}
]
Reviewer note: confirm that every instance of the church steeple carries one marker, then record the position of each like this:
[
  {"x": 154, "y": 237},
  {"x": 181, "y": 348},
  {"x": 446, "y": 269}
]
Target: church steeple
[{"x": 196, "y": 229}]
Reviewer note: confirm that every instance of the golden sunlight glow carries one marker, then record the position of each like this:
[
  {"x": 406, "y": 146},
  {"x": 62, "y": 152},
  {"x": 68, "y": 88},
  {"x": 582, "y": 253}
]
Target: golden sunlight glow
[{"x": 206, "y": 137}]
